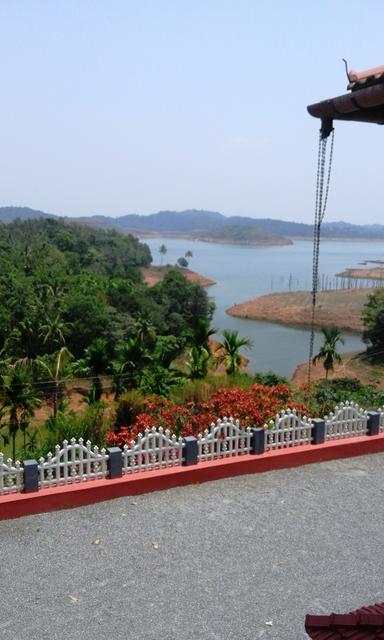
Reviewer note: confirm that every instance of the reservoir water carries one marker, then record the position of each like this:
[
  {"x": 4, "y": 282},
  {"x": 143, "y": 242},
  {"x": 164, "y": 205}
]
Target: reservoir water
[{"x": 245, "y": 272}]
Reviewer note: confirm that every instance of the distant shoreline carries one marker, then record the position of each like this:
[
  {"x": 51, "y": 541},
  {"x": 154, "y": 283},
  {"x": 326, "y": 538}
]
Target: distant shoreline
[
  {"x": 288, "y": 240},
  {"x": 181, "y": 236}
]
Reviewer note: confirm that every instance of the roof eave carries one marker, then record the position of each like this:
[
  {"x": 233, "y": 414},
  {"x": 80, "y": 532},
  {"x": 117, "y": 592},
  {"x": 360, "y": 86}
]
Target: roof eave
[{"x": 365, "y": 105}]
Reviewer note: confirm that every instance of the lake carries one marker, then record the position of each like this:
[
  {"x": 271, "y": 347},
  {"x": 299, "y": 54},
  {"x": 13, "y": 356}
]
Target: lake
[{"x": 245, "y": 272}]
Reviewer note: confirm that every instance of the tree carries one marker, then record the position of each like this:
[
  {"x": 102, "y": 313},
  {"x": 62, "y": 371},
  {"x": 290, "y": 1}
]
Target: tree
[
  {"x": 198, "y": 362},
  {"x": 94, "y": 363},
  {"x": 328, "y": 353},
  {"x": 373, "y": 318},
  {"x": 163, "y": 250},
  {"x": 182, "y": 262},
  {"x": 228, "y": 350},
  {"x": 132, "y": 357},
  {"x": 19, "y": 399},
  {"x": 189, "y": 254},
  {"x": 55, "y": 367},
  {"x": 199, "y": 356}
]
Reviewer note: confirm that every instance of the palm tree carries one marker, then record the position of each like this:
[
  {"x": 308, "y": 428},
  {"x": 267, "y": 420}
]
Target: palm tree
[
  {"x": 202, "y": 332},
  {"x": 328, "y": 351},
  {"x": 56, "y": 371},
  {"x": 94, "y": 363},
  {"x": 198, "y": 362},
  {"x": 228, "y": 350},
  {"x": 199, "y": 356},
  {"x": 132, "y": 357},
  {"x": 19, "y": 399},
  {"x": 163, "y": 250},
  {"x": 145, "y": 331},
  {"x": 53, "y": 331}
]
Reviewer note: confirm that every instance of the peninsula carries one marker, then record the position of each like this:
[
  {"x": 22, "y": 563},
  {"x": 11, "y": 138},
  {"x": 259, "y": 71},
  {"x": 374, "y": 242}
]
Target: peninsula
[{"x": 338, "y": 308}]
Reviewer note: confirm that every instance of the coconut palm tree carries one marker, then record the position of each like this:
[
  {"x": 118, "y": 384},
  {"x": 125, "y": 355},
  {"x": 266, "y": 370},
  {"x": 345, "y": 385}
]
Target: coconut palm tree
[
  {"x": 228, "y": 350},
  {"x": 18, "y": 398},
  {"x": 328, "y": 353},
  {"x": 163, "y": 250},
  {"x": 55, "y": 369}
]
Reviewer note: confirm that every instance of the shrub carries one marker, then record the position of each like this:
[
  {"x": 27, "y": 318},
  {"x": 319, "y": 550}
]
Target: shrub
[{"x": 253, "y": 407}]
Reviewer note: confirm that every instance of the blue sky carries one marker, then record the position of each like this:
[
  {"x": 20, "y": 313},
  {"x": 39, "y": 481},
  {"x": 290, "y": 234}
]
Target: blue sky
[{"x": 125, "y": 106}]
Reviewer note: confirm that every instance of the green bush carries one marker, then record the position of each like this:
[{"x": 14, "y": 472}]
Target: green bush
[
  {"x": 90, "y": 425},
  {"x": 270, "y": 379}
]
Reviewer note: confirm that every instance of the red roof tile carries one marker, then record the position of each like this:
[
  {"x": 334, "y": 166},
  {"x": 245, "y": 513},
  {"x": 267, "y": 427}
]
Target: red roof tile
[{"x": 366, "y": 623}]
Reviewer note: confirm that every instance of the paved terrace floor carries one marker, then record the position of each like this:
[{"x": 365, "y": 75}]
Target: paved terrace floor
[{"x": 243, "y": 558}]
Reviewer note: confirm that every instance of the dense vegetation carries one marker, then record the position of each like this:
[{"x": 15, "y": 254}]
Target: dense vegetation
[
  {"x": 373, "y": 317},
  {"x": 67, "y": 284},
  {"x": 73, "y": 303}
]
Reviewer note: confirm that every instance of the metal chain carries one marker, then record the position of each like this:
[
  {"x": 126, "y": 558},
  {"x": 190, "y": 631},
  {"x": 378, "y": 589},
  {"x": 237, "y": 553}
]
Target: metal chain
[{"x": 320, "y": 208}]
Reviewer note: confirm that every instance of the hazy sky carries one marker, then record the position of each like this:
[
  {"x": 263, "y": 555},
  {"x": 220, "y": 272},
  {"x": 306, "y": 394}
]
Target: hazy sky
[{"x": 132, "y": 106}]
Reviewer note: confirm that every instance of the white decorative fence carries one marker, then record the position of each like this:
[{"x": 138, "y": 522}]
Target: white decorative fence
[
  {"x": 223, "y": 439},
  {"x": 347, "y": 421},
  {"x": 287, "y": 430},
  {"x": 11, "y": 476},
  {"x": 74, "y": 462},
  {"x": 155, "y": 449}
]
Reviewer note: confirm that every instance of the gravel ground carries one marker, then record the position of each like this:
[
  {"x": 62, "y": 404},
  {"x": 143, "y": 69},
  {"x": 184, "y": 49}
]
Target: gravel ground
[{"x": 242, "y": 558}]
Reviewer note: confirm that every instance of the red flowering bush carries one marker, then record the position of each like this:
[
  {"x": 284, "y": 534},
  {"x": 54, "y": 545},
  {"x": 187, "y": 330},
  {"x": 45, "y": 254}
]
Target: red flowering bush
[{"x": 253, "y": 407}]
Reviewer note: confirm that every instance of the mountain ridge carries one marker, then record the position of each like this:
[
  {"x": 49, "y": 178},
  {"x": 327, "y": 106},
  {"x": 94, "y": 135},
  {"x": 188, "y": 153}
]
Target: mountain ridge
[{"x": 199, "y": 221}]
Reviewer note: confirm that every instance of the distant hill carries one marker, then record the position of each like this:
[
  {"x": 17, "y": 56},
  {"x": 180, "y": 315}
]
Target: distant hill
[
  {"x": 240, "y": 234},
  {"x": 193, "y": 222},
  {"x": 9, "y": 214}
]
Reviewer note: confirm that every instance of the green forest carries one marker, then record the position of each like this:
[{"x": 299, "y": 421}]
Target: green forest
[{"x": 73, "y": 304}]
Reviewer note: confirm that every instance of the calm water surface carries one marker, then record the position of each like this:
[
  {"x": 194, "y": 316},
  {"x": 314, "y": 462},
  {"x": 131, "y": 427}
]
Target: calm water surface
[{"x": 243, "y": 272}]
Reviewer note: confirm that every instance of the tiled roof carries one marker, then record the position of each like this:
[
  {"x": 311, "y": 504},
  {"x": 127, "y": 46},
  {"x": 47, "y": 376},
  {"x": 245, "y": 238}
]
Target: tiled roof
[
  {"x": 360, "y": 79},
  {"x": 366, "y": 623},
  {"x": 365, "y": 102}
]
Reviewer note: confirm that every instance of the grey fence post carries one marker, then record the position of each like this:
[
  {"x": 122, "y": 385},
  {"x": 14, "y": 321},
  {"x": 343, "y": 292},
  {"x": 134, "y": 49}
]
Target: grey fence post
[
  {"x": 373, "y": 426},
  {"x": 31, "y": 476},
  {"x": 258, "y": 441},
  {"x": 115, "y": 462},
  {"x": 190, "y": 451},
  {"x": 318, "y": 431}
]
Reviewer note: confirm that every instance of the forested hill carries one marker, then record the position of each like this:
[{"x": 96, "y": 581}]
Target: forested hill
[
  {"x": 68, "y": 285},
  {"x": 198, "y": 222},
  {"x": 52, "y": 243}
]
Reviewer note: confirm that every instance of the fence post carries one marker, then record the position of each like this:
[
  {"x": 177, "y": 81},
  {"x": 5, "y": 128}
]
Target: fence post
[
  {"x": 190, "y": 451},
  {"x": 318, "y": 431},
  {"x": 373, "y": 425},
  {"x": 258, "y": 441},
  {"x": 115, "y": 462},
  {"x": 31, "y": 476}
]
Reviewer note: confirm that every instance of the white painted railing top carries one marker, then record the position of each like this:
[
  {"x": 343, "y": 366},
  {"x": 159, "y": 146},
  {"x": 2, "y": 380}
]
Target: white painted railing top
[
  {"x": 74, "y": 462},
  {"x": 224, "y": 438},
  {"x": 287, "y": 430},
  {"x": 11, "y": 476},
  {"x": 155, "y": 449},
  {"x": 346, "y": 421}
]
